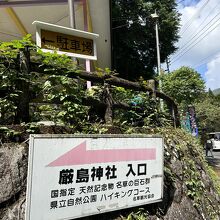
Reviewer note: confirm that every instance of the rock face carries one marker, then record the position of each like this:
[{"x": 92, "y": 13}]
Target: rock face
[
  {"x": 189, "y": 191},
  {"x": 13, "y": 174}
]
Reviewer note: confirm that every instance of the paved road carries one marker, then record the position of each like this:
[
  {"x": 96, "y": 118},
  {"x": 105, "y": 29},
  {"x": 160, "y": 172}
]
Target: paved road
[
  {"x": 216, "y": 154},
  {"x": 216, "y": 160}
]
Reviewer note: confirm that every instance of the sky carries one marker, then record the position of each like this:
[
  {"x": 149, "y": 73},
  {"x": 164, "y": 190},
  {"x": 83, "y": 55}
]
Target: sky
[{"x": 199, "y": 45}]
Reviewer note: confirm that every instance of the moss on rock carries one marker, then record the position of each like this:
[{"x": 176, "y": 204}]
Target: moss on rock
[{"x": 191, "y": 189}]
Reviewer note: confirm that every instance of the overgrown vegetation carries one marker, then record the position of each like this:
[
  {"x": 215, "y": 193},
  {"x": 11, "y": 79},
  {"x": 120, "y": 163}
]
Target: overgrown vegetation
[
  {"x": 185, "y": 85},
  {"x": 208, "y": 112},
  {"x": 191, "y": 153},
  {"x": 187, "y": 88},
  {"x": 53, "y": 95},
  {"x": 56, "y": 97}
]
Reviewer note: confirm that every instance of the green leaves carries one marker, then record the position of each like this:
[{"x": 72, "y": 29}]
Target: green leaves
[
  {"x": 140, "y": 214},
  {"x": 54, "y": 96},
  {"x": 56, "y": 61},
  {"x": 184, "y": 85},
  {"x": 144, "y": 110},
  {"x": 134, "y": 35},
  {"x": 208, "y": 113},
  {"x": 11, "y": 49}
]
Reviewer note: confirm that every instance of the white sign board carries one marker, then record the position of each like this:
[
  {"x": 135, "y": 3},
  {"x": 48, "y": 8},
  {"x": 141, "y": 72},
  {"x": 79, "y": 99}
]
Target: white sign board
[
  {"x": 74, "y": 176},
  {"x": 72, "y": 42}
]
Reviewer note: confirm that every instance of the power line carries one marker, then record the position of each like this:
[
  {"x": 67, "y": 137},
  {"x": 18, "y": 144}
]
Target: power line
[
  {"x": 200, "y": 32},
  {"x": 180, "y": 1},
  {"x": 202, "y": 22},
  {"x": 198, "y": 36},
  {"x": 201, "y": 62},
  {"x": 130, "y": 16},
  {"x": 60, "y": 19},
  {"x": 195, "y": 43},
  {"x": 190, "y": 21},
  {"x": 193, "y": 17},
  {"x": 124, "y": 25},
  {"x": 123, "y": 18}
]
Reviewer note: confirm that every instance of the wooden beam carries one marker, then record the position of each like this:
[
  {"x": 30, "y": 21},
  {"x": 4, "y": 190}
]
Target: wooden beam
[
  {"x": 17, "y": 21},
  {"x": 6, "y": 4}
]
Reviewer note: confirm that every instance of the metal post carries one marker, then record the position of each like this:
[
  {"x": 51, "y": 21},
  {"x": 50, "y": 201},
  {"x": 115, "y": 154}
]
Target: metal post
[
  {"x": 87, "y": 27},
  {"x": 73, "y": 25},
  {"x": 72, "y": 14},
  {"x": 155, "y": 16},
  {"x": 158, "y": 50},
  {"x": 72, "y": 19},
  {"x": 168, "y": 67}
]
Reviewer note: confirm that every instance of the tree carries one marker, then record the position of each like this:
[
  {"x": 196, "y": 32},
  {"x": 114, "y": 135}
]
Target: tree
[
  {"x": 184, "y": 85},
  {"x": 134, "y": 47},
  {"x": 208, "y": 113}
]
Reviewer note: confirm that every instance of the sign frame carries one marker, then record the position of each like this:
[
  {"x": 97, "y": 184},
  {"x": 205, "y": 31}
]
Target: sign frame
[
  {"x": 92, "y": 136},
  {"x": 67, "y": 31}
]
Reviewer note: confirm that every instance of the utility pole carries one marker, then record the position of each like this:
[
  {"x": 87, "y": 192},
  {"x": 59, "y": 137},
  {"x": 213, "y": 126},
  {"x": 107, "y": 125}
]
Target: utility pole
[
  {"x": 155, "y": 17},
  {"x": 168, "y": 64}
]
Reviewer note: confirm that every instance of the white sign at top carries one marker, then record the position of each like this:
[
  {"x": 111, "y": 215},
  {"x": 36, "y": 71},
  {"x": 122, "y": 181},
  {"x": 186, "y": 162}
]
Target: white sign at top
[
  {"x": 72, "y": 42},
  {"x": 74, "y": 176}
]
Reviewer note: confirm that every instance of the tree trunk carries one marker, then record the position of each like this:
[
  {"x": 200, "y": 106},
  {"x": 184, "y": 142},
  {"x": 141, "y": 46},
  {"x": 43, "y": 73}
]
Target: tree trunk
[
  {"x": 23, "y": 87},
  {"x": 109, "y": 105}
]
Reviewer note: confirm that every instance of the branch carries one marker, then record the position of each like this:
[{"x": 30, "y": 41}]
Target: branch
[{"x": 112, "y": 80}]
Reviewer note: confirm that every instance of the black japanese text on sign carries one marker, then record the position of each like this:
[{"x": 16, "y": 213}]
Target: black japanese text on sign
[{"x": 66, "y": 43}]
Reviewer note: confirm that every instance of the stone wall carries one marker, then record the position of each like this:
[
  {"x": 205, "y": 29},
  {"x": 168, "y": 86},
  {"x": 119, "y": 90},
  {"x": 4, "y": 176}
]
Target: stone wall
[
  {"x": 13, "y": 175},
  {"x": 189, "y": 192}
]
